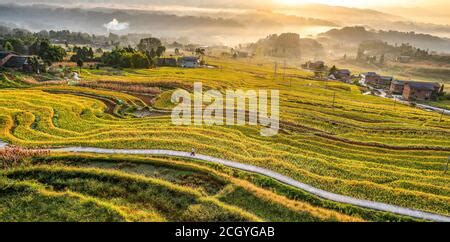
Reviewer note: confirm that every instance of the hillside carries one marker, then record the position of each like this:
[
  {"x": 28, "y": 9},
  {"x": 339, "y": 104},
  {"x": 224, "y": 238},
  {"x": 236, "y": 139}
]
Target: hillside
[{"x": 357, "y": 145}]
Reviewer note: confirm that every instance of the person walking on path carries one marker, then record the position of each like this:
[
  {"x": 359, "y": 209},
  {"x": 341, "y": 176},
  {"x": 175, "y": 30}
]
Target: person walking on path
[{"x": 193, "y": 152}]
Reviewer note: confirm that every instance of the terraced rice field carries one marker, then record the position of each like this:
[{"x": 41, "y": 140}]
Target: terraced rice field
[
  {"x": 362, "y": 146},
  {"x": 141, "y": 189}
]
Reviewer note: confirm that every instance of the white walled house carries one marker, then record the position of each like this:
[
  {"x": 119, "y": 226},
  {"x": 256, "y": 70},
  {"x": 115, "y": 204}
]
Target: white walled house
[{"x": 189, "y": 62}]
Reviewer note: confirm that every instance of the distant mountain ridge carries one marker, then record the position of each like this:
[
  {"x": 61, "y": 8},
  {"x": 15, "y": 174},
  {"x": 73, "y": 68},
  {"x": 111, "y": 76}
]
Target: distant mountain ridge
[
  {"x": 358, "y": 34},
  {"x": 373, "y": 17}
]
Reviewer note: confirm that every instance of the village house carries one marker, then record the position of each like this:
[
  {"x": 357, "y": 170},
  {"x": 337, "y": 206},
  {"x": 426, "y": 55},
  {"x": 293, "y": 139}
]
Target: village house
[
  {"x": 342, "y": 74},
  {"x": 15, "y": 61},
  {"x": 374, "y": 80},
  {"x": 189, "y": 62},
  {"x": 397, "y": 87},
  {"x": 420, "y": 91},
  {"x": 370, "y": 77},
  {"x": 384, "y": 82},
  {"x": 5, "y": 56}
]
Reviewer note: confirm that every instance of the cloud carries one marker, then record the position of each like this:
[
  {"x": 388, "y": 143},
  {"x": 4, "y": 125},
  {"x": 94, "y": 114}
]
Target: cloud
[{"x": 115, "y": 25}]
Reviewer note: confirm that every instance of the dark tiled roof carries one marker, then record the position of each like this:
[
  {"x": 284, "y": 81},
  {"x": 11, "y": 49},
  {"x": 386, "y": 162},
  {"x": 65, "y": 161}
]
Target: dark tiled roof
[
  {"x": 370, "y": 74},
  {"x": 399, "y": 82},
  {"x": 3, "y": 54},
  {"x": 16, "y": 62},
  {"x": 387, "y": 78},
  {"x": 423, "y": 85},
  {"x": 344, "y": 71},
  {"x": 189, "y": 58}
]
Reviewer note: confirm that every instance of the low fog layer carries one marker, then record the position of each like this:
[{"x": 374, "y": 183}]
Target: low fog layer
[
  {"x": 205, "y": 22},
  {"x": 231, "y": 28}
]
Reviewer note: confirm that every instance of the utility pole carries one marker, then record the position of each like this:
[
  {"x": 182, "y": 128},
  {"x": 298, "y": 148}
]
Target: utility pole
[
  {"x": 442, "y": 115},
  {"x": 275, "y": 70},
  {"x": 446, "y": 167}
]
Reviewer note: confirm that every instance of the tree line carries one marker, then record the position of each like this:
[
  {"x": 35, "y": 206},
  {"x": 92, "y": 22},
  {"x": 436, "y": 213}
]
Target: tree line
[
  {"x": 144, "y": 56},
  {"x": 39, "y": 47}
]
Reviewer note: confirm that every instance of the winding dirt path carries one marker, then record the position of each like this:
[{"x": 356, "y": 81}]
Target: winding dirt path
[{"x": 277, "y": 176}]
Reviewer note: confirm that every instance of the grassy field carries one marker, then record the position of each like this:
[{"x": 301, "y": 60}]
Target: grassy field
[{"x": 363, "y": 146}]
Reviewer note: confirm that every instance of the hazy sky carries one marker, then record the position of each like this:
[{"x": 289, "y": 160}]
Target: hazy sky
[
  {"x": 368, "y": 3},
  {"x": 429, "y": 11},
  {"x": 228, "y": 3}
]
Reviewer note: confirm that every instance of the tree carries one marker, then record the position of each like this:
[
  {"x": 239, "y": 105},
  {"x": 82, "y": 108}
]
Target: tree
[
  {"x": 49, "y": 53},
  {"x": 139, "y": 60},
  {"x": 441, "y": 90},
  {"x": 201, "y": 53},
  {"x": 36, "y": 64},
  {"x": 8, "y": 46},
  {"x": 160, "y": 50},
  {"x": 80, "y": 64},
  {"x": 84, "y": 54},
  {"x": 151, "y": 54},
  {"x": 177, "y": 51},
  {"x": 126, "y": 58},
  {"x": 91, "y": 53},
  {"x": 13, "y": 44},
  {"x": 333, "y": 70},
  {"x": 360, "y": 54},
  {"x": 382, "y": 59},
  {"x": 149, "y": 44}
]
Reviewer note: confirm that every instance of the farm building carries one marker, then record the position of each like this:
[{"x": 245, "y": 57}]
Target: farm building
[
  {"x": 397, "y": 87},
  {"x": 420, "y": 91},
  {"x": 189, "y": 62}
]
